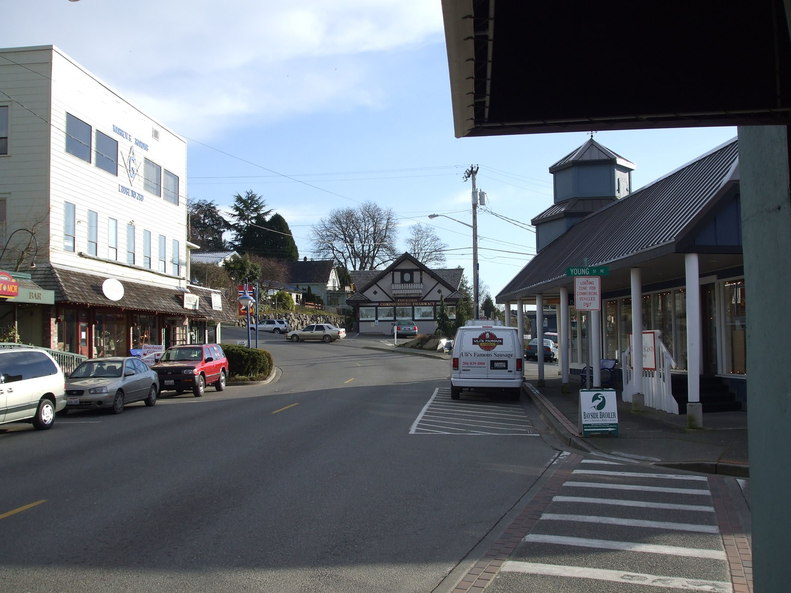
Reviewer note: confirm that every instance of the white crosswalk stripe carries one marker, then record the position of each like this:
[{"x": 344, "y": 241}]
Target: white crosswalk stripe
[
  {"x": 623, "y": 524},
  {"x": 443, "y": 415}
]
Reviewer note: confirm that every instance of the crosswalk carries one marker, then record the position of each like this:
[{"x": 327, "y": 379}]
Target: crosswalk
[
  {"x": 626, "y": 527},
  {"x": 469, "y": 416}
]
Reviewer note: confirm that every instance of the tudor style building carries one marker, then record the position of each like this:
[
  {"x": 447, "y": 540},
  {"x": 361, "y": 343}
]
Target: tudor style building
[
  {"x": 98, "y": 190},
  {"x": 404, "y": 291}
]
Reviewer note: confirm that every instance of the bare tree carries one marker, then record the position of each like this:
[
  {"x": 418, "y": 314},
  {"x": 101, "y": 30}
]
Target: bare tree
[
  {"x": 357, "y": 239},
  {"x": 425, "y": 245}
]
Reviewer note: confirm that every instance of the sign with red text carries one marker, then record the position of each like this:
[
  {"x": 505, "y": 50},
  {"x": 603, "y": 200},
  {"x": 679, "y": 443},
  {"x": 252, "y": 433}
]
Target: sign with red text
[
  {"x": 9, "y": 287},
  {"x": 587, "y": 293}
]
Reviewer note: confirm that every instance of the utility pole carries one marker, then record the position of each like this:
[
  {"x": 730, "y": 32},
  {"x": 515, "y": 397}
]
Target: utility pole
[{"x": 470, "y": 174}]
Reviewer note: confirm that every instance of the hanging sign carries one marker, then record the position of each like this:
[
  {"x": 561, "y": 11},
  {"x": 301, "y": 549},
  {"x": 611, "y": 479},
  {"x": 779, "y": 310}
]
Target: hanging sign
[
  {"x": 598, "y": 412},
  {"x": 587, "y": 293},
  {"x": 9, "y": 287}
]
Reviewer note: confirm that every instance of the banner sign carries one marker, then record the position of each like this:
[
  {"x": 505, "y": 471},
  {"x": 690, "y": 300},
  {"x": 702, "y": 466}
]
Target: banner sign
[{"x": 9, "y": 287}]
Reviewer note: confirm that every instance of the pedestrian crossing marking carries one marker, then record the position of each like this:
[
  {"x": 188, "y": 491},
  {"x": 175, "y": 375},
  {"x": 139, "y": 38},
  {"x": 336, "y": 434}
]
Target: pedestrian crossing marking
[
  {"x": 639, "y": 488},
  {"x": 617, "y": 576},
  {"x": 596, "y": 472},
  {"x": 692, "y": 527},
  {"x": 606, "y": 544},
  {"x": 635, "y": 503}
]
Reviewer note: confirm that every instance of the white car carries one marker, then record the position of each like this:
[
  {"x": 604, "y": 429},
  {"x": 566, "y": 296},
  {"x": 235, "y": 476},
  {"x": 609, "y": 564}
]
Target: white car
[
  {"x": 32, "y": 387},
  {"x": 276, "y": 326},
  {"x": 326, "y": 332}
]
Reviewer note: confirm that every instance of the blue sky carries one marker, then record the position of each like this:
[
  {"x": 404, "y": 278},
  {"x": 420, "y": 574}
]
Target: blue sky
[{"x": 318, "y": 105}]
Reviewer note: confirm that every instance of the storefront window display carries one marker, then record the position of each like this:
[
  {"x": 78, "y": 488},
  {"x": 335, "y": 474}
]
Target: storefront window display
[
  {"x": 109, "y": 336},
  {"x": 144, "y": 331},
  {"x": 735, "y": 327}
]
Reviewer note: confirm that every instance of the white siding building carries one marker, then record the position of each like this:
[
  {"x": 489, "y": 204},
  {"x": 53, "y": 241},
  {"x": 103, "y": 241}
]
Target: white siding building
[{"x": 99, "y": 190}]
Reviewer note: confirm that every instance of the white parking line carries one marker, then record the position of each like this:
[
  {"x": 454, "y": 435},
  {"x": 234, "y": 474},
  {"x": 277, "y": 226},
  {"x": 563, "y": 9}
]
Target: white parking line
[
  {"x": 668, "y": 525},
  {"x": 606, "y": 544}
]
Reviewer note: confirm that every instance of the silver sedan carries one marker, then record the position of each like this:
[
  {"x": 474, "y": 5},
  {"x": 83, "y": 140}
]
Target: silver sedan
[{"x": 111, "y": 383}]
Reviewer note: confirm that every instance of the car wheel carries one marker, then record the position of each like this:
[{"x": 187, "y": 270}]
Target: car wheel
[
  {"x": 45, "y": 414},
  {"x": 327, "y": 339},
  {"x": 152, "y": 396},
  {"x": 200, "y": 386},
  {"x": 275, "y": 331},
  {"x": 295, "y": 338},
  {"x": 220, "y": 384},
  {"x": 118, "y": 402}
]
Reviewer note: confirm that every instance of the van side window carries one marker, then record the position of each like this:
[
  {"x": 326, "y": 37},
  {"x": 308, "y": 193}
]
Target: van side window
[{"x": 26, "y": 365}]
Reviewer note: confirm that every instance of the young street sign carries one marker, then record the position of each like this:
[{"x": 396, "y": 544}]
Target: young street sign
[{"x": 588, "y": 271}]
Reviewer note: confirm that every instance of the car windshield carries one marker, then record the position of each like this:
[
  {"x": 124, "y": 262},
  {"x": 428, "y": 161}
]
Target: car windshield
[
  {"x": 94, "y": 368},
  {"x": 182, "y": 354}
]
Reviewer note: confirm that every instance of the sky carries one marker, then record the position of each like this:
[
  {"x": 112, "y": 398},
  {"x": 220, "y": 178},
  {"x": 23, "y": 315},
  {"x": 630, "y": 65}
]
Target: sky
[{"x": 317, "y": 106}]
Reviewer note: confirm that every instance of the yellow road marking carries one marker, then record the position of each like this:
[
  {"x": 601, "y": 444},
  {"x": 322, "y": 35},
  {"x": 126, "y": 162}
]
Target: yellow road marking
[
  {"x": 349, "y": 380},
  {"x": 283, "y": 409},
  {"x": 23, "y": 508}
]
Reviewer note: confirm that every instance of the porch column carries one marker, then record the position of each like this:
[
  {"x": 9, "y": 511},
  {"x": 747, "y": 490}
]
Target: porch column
[
  {"x": 540, "y": 336},
  {"x": 563, "y": 335},
  {"x": 596, "y": 346},
  {"x": 508, "y": 312},
  {"x": 694, "y": 407},
  {"x": 520, "y": 320},
  {"x": 637, "y": 396}
]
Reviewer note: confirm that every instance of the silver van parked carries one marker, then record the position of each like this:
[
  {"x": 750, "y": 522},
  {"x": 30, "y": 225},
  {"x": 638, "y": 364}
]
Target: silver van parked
[{"x": 32, "y": 387}]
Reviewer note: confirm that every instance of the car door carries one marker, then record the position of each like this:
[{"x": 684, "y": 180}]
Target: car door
[
  {"x": 212, "y": 368},
  {"x": 133, "y": 388}
]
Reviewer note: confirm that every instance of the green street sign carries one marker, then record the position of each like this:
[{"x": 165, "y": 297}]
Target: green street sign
[{"x": 588, "y": 271}]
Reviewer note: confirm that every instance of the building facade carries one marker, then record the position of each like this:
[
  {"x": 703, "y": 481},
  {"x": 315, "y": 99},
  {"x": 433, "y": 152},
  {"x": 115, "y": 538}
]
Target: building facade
[{"x": 94, "y": 190}]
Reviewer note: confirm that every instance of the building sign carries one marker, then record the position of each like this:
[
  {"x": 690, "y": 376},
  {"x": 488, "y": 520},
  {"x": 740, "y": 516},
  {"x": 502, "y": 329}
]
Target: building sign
[
  {"x": 9, "y": 287},
  {"x": 598, "y": 412},
  {"x": 216, "y": 301},
  {"x": 587, "y": 293}
]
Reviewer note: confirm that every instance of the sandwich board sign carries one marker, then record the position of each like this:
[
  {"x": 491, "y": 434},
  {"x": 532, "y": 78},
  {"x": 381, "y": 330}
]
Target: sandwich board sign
[{"x": 598, "y": 412}]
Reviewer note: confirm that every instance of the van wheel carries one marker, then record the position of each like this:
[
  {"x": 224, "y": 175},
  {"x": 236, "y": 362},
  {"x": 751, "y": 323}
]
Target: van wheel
[
  {"x": 45, "y": 414},
  {"x": 118, "y": 402}
]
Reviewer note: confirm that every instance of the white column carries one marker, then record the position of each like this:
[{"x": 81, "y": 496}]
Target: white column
[
  {"x": 596, "y": 346},
  {"x": 540, "y": 336},
  {"x": 563, "y": 335},
  {"x": 520, "y": 320},
  {"x": 694, "y": 330},
  {"x": 637, "y": 330}
]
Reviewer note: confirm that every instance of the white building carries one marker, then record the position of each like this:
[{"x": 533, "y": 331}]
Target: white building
[{"x": 98, "y": 189}]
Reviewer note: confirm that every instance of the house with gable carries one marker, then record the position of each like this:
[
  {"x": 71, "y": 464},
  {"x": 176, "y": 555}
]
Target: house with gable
[
  {"x": 405, "y": 290},
  {"x": 318, "y": 278}
]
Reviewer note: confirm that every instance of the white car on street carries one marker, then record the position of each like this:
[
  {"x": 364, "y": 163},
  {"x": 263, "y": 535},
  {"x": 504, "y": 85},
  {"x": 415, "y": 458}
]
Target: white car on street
[{"x": 276, "y": 326}]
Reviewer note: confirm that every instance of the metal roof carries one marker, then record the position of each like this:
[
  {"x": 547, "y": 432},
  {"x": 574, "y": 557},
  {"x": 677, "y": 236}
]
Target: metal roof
[{"x": 645, "y": 225}]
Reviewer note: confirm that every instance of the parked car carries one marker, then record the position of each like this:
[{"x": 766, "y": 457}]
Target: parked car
[
  {"x": 111, "y": 383},
  {"x": 276, "y": 326},
  {"x": 550, "y": 350},
  {"x": 405, "y": 329},
  {"x": 326, "y": 332},
  {"x": 31, "y": 387},
  {"x": 192, "y": 367}
]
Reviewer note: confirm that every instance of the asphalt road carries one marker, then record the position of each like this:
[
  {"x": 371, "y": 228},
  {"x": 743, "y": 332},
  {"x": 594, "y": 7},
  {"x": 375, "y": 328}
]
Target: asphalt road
[{"x": 317, "y": 481}]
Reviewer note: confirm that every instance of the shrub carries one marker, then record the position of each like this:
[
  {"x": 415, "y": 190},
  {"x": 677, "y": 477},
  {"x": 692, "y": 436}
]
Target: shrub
[{"x": 249, "y": 363}]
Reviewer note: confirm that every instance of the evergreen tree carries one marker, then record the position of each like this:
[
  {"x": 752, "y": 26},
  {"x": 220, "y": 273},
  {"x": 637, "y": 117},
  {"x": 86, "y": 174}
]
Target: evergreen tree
[
  {"x": 206, "y": 225},
  {"x": 278, "y": 242}
]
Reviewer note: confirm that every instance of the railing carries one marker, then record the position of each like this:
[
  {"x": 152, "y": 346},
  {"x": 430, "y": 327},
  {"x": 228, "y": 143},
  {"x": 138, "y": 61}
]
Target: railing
[
  {"x": 656, "y": 385},
  {"x": 67, "y": 361}
]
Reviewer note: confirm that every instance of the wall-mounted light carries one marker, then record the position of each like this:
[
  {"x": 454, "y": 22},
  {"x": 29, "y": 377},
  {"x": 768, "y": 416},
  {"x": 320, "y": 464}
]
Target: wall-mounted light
[{"x": 22, "y": 252}]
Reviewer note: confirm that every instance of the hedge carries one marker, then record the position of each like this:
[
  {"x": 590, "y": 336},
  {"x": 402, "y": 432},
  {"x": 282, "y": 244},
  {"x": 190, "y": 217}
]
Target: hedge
[{"x": 248, "y": 362}]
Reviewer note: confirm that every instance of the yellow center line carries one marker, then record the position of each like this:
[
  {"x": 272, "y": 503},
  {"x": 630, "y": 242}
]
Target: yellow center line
[
  {"x": 284, "y": 409},
  {"x": 24, "y": 508},
  {"x": 349, "y": 380}
]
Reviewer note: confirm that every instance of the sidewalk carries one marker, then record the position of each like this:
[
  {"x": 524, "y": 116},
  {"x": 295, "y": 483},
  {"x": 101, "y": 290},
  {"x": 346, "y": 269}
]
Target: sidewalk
[{"x": 720, "y": 447}]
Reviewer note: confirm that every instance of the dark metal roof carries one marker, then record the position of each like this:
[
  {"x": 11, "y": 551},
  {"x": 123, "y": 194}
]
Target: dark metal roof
[
  {"x": 578, "y": 206},
  {"x": 591, "y": 152},
  {"x": 86, "y": 289},
  {"x": 310, "y": 272},
  {"x": 644, "y": 225}
]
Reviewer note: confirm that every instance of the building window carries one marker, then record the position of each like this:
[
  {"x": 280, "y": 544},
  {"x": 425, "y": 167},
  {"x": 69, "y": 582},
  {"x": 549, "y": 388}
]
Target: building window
[
  {"x": 3, "y": 129},
  {"x": 385, "y": 313},
  {"x": 424, "y": 312},
  {"x": 112, "y": 238},
  {"x": 735, "y": 331},
  {"x": 93, "y": 233},
  {"x": 162, "y": 254},
  {"x": 147, "y": 249},
  {"x": 152, "y": 174},
  {"x": 130, "y": 244},
  {"x": 106, "y": 153},
  {"x": 170, "y": 191},
  {"x": 69, "y": 225},
  {"x": 404, "y": 313},
  {"x": 78, "y": 138},
  {"x": 174, "y": 258},
  {"x": 367, "y": 313}
]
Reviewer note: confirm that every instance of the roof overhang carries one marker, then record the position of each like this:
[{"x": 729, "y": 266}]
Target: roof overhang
[{"x": 521, "y": 67}]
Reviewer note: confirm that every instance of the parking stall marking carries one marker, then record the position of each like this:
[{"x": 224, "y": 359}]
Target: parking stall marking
[{"x": 443, "y": 415}]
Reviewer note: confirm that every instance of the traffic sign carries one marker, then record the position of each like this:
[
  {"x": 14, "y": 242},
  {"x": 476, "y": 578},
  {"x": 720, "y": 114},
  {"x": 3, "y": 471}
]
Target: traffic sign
[{"x": 588, "y": 271}]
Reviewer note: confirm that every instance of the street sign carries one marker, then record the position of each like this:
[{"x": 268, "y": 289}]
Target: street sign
[
  {"x": 588, "y": 271},
  {"x": 598, "y": 412}
]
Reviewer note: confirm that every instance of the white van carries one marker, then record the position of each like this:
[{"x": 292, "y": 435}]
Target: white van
[
  {"x": 32, "y": 387},
  {"x": 486, "y": 357}
]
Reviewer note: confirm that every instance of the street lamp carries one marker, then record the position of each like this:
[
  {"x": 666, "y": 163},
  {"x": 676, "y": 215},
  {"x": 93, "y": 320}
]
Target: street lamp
[
  {"x": 474, "y": 227},
  {"x": 247, "y": 301},
  {"x": 23, "y": 251}
]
